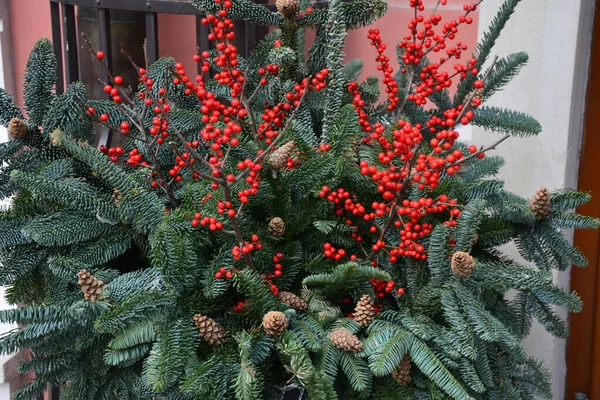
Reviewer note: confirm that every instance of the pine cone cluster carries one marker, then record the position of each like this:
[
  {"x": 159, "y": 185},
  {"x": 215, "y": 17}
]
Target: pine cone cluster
[
  {"x": 287, "y": 8},
  {"x": 275, "y": 323},
  {"x": 277, "y": 227},
  {"x": 345, "y": 340},
  {"x": 462, "y": 264},
  {"x": 17, "y": 128},
  {"x": 402, "y": 372},
  {"x": 296, "y": 302},
  {"x": 209, "y": 329},
  {"x": 90, "y": 285},
  {"x": 364, "y": 311},
  {"x": 279, "y": 157},
  {"x": 540, "y": 204}
]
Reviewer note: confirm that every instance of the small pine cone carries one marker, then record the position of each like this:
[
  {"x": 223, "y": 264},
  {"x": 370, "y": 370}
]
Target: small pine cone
[
  {"x": 345, "y": 340},
  {"x": 540, "y": 204},
  {"x": 91, "y": 287},
  {"x": 279, "y": 157},
  {"x": 402, "y": 372},
  {"x": 462, "y": 264},
  {"x": 288, "y": 8},
  {"x": 293, "y": 301},
  {"x": 277, "y": 227},
  {"x": 364, "y": 311},
  {"x": 117, "y": 197},
  {"x": 475, "y": 239},
  {"x": 17, "y": 128},
  {"x": 209, "y": 329},
  {"x": 275, "y": 323}
]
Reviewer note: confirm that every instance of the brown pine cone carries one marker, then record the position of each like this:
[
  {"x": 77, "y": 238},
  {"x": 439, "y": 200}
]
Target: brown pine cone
[
  {"x": 209, "y": 329},
  {"x": 345, "y": 340},
  {"x": 117, "y": 197},
  {"x": 287, "y": 8},
  {"x": 275, "y": 323},
  {"x": 17, "y": 128},
  {"x": 540, "y": 204},
  {"x": 402, "y": 372},
  {"x": 293, "y": 301},
  {"x": 462, "y": 264},
  {"x": 277, "y": 227},
  {"x": 279, "y": 157},
  {"x": 364, "y": 311},
  {"x": 91, "y": 287}
]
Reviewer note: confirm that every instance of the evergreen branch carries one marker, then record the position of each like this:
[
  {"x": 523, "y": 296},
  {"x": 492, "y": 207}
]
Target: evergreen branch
[
  {"x": 506, "y": 121},
  {"x": 482, "y": 150},
  {"x": 40, "y": 77}
]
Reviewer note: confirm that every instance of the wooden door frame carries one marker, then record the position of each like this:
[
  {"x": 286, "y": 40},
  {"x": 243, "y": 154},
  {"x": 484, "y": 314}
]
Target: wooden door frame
[{"x": 583, "y": 345}]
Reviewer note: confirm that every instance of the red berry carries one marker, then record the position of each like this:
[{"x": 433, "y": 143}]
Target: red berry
[
  {"x": 118, "y": 80},
  {"x": 100, "y": 55}
]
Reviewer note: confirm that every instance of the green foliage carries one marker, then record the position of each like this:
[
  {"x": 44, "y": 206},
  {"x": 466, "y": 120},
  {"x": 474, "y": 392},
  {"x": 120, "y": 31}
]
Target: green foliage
[
  {"x": 65, "y": 114},
  {"x": 356, "y": 14},
  {"x": 503, "y": 72},
  {"x": 164, "y": 239},
  {"x": 8, "y": 108},
  {"x": 40, "y": 77},
  {"x": 336, "y": 33},
  {"x": 506, "y": 121},
  {"x": 485, "y": 45},
  {"x": 243, "y": 10}
]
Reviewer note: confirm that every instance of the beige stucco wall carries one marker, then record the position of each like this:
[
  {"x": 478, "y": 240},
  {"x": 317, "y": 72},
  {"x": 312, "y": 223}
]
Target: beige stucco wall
[{"x": 556, "y": 35}]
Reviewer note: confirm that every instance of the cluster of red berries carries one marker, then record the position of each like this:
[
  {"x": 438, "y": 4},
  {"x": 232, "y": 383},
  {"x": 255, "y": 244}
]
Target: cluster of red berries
[
  {"x": 412, "y": 230},
  {"x": 324, "y": 147},
  {"x": 391, "y": 86},
  {"x": 136, "y": 159},
  {"x": 240, "y": 306},
  {"x": 273, "y": 69},
  {"x": 308, "y": 11},
  {"x": 159, "y": 126},
  {"x": 382, "y": 288},
  {"x": 359, "y": 104},
  {"x": 432, "y": 80},
  {"x": 247, "y": 247},
  {"x": 212, "y": 223},
  {"x": 181, "y": 162},
  {"x": 114, "y": 91},
  {"x": 112, "y": 152},
  {"x": 273, "y": 116},
  {"x": 252, "y": 178},
  {"x": 293, "y": 162},
  {"x": 419, "y": 43},
  {"x": 343, "y": 201},
  {"x": 277, "y": 268},
  {"x": 335, "y": 254},
  {"x": 225, "y": 207},
  {"x": 451, "y": 117},
  {"x": 224, "y": 273}
]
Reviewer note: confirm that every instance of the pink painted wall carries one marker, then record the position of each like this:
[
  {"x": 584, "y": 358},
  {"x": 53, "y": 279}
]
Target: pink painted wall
[
  {"x": 30, "y": 20},
  {"x": 177, "y": 33},
  {"x": 177, "y": 38}
]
